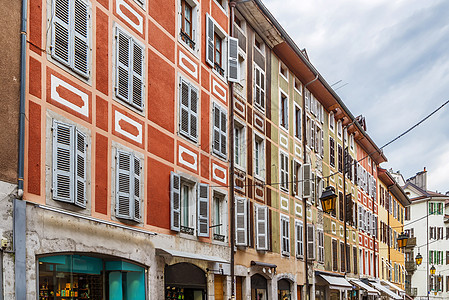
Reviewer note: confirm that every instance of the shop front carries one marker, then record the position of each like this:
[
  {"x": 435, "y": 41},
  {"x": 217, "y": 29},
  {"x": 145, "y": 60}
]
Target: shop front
[
  {"x": 335, "y": 286},
  {"x": 258, "y": 287},
  {"x": 284, "y": 290},
  {"x": 363, "y": 291},
  {"x": 185, "y": 281},
  {"x": 80, "y": 276}
]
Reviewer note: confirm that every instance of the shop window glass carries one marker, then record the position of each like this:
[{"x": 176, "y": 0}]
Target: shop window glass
[{"x": 83, "y": 277}]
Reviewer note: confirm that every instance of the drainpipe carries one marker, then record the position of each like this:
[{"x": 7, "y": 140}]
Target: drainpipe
[
  {"x": 231, "y": 154},
  {"x": 19, "y": 208},
  {"x": 304, "y": 201}
]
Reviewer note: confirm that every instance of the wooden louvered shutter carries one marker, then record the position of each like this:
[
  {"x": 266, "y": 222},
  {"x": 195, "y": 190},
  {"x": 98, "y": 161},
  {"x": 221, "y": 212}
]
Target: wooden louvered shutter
[
  {"x": 137, "y": 76},
  {"x": 123, "y": 62},
  {"x": 193, "y": 112},
  {"x": 136, "y": 185},
  {"x": 80, "y": 168},
  {"x": 61, "y": 42},
  {"x": 63, "y": 162},
  {"x": 81, "y": 38},
  {"x": 209, "y": 40},
  {"x": 184, "y": 106},
  {"x": 124, "y": 185},
  {"x": 203, "y": 209},
  {"x": 216, "y": 130},
  {"x": 261, "y": 227},
  {"x": 233, "y": 60},
  {"x": 310, "y": 242},
  {"x": 241, "y": 221},
  {"x": 223, "y": 132},
  {"x": 307, "y": 181},
  {"x": 175, "y": 202}
]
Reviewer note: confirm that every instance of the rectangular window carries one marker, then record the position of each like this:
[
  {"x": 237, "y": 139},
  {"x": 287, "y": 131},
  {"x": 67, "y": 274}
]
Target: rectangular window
[
  {"x": 311, "y": 242},
  {"x": 259, "y": 157},
  {"x": 283, "y": 114},
  {"x": 348, "y": 258},
  {"x": 339, "y": 129},
  {"x": 259, "y": 87},
  {"x": 320, "y": 237},
  {"x": 261, "y": 227},
  {"x": 70, "y": 39},
  {"x": 128, "y": 199},
  {"x": 218, "y": 44},
  {"x": 239, "y": 145},
  {"x": 331, "y": 122},
  {"x": 219, "y": 217},
  {"x": 285, "y": 235},
  {"x": 69, "y": 164},
  {"x": 296, "y": 175},
  {"x": 342, "y": 257},
  {"x": 331, "y": 151},
  {"x": 188, "y": 111},
  {"x": 354, "y": 256},
  {"x": 334, "y": 255},
  {"x": 299, "y": 238},
  {"x": 283, "y": 167},
  {"x": 220, "y": 136},
  {"x": 129, "y": 70},
  {"x": 186, "y": 23},
  {"x": 340, "y": 158}
]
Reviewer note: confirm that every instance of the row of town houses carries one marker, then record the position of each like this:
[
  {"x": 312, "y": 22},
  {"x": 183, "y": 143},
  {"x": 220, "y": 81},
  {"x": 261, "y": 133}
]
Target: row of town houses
[{"x": 179, "y": 149}]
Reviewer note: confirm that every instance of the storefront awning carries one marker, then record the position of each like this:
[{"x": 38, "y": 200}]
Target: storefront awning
[
  {"x": 393, "y": 286},
  {"x": 363, "y": 286},
  {"x": 263, "y": 264},
  {"x": 336, "y": 282},
  {"x": 385, "y": 290},
  {"x": 174, "y": 253}
]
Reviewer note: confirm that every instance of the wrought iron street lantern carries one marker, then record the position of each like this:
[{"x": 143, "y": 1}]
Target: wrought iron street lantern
[
  {"x": 418, "y": 259},
  {"x": 328, "y": 199},
  {"x": 402, "y": 240}
]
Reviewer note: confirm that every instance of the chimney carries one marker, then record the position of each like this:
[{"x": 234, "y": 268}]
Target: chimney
[{"x": 420, "y": 179}]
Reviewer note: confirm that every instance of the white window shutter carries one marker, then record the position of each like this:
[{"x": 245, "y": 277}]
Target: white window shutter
[
  {"x": 299, "y": 239},
  {"x": 285, "y": 111},
  {"x": 261, "y": 227},
  {"x": 306, "y": 181},
  {"x": 223, "y": 132},
  {"x": 360, "y": 218},
  {"x": 175, "y": 202},
  {"x": 311, "y": 242},
  {"x": 285, "y": 234},
  {"x": 123, "y": 63},
  {"x": 136, "y": 190},
  {"x": 257, "y": 86},
  {"x": 203, "y": 210},
  {"x": 81, "y": 38},
  {"x": 137, "y": 76},
  {"x": 193, "y": 111},
  {"x": 210, "y": 40},
  {"x": 123, "y": 185},
  {"x": 262, "y": 89},
  {"x": 61, "y": 41},
  {"x": 322, "y": 143},
  {"x": 63, "y": 162},
  {"x": 80, "y": 171},
  {"x": 233, "y": 60},
  {"x": 241, "y": 221},
  {"x": 184, "y": 106},
  {"x": 294, "y": 178},
  {"x": 216, "y": 130}
]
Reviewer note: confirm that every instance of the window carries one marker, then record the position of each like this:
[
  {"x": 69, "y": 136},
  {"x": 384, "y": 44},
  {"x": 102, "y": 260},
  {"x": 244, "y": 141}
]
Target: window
[
  {"x": 298, "y": 86},
  {"x": 70, "y": 39},
  {"x": 189, "y": 206},
  {"x": 259, "y": 157},
  {"x": 261, "y": 227},
  {"x": 348, "y": 258},
  {"x": 285, "y": 235},
  {"x": 216, "y": 49},
  {"x": 298, "y": 125},
  {"x": 259, "y": 87},
  {"x": 259, "y": 44},
  {"x": 283, "y": 170},
  {"x": 341, "y": 206},
  {"x": 219, "y": 217},
  {"x": 129, "y": 70},
  {"x": 340, "y": 158},
  {"x": 332, "y": 151},
  {"x": 188, "y": 110},
  {"x": 219, "y": 131},
  {"x": 69, "y": 164},
  {"x": 188, "y": 20},
  {"x": 283, "y": 71},
  {"x": 283, "y": 112},
  {"x": 331, "y": 122},
  {"x": 239, "y": 145},
  {"x": 320, "y": 237},
  {"x": 339, "y": 129},
  {"x": 351, "y": 141},
  {"x": 307, "y": 181},
  {"x": 354, "y": 257},
  {"x": 307, "y": 99},
  {"x": 296, "y": 183},
  {"x": 334, "y": 255},
  {"x": 241, "y": 221},
  {"x": 128, "y": 200},
  {"x": 218, "y": 44},
  {"x": 299, "y": 238},
  {"x": 311, "y": 241}
]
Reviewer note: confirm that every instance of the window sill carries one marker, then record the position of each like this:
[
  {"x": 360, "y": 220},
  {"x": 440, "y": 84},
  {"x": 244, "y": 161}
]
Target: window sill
[
  {"x": 222, "y": 77},
  {"x": 219, "y": 237}
]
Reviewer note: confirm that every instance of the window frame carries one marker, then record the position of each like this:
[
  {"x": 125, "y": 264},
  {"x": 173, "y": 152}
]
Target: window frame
[
  {"x": 261, "y": 105},
  {"x": 261, "y": 174},
  {"x": 299, "y": 238},
  {"x": 283, "y": 110},
  {"x": 240, "y": 150},
  {"x": 180, "y": 106},
  {"x": 298, "y": 123},
  {"x": 195, "y": 32},
  {"x": 284, "y": 171},
  {"x": 285, "y": 234}
]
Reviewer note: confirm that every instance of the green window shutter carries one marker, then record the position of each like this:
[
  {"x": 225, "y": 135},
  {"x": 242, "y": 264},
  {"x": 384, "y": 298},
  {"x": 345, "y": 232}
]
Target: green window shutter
[
  {"x": 175, "y": 202},
  {"x": 136, "y": 209},
  {"x": 123, "y": 64},
  {"x": 261, "y": 227},
  {"x": 137, "y": 70},
  {"x": 61, "y": 41},
  {"x": 124, "y": 185},
  {"x": 210, "y": 40},
  {"x": 80, "y": 168},
  {"x": 203, "y": 210},
  {"x": 241, "y": 221},
  {"x": 81, "y": 38},
  {"x": 233, "y": 65},
  {"x": 63, "y": 162}
]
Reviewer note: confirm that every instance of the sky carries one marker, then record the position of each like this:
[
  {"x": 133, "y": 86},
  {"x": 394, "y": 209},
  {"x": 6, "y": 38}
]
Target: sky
[{"x": 392, "y": 58}]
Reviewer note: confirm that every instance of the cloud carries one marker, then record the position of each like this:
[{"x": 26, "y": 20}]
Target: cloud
[{"x": 394, "y": 55}]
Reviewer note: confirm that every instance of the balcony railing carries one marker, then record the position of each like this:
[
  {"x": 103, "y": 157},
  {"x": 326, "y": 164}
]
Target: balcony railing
[
  {"x": 186, "y": 38},
  {"x": 187, "y": 230},
  {"x": 411, "y": 291},
  {"x": 410, "y": 266},
  {"x": 219, "y": 237},
  {"x": 219, "y": 69},
  {"x": 411, "y": 242}
]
